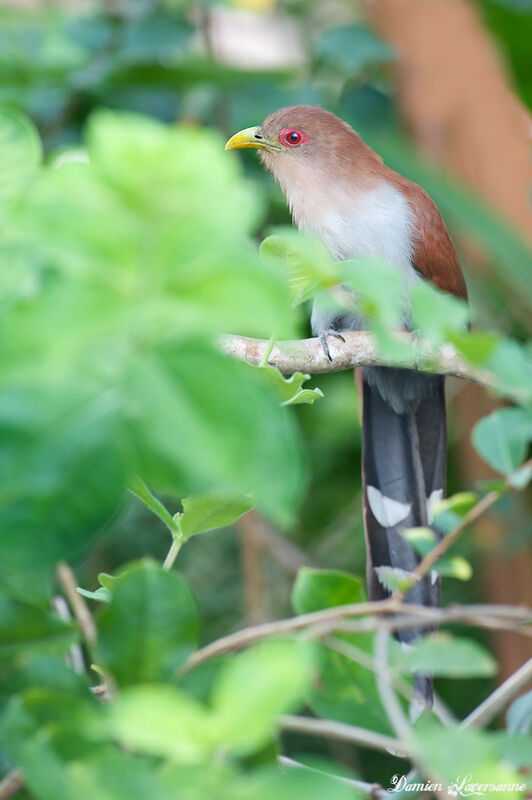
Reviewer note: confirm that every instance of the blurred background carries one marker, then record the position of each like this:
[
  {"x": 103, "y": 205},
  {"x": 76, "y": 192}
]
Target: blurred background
[{"x": 442, "y": 89}]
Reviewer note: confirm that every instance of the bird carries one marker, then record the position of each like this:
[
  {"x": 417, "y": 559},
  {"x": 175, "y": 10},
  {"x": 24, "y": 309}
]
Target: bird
[{"x": 339, "y": 189}]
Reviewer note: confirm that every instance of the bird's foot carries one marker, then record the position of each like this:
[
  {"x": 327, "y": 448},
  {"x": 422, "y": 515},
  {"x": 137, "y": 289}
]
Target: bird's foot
[{"x": 323, "y": 340}]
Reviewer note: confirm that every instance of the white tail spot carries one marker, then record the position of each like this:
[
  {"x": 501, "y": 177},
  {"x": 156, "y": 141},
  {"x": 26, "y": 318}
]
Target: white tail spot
[
  {"x": 386, "y": 511},
  {"x": 435, "y": 497}
]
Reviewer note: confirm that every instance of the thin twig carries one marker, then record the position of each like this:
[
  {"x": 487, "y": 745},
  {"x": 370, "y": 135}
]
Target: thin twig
[
  {"x": 328, "y": 620},
  {"x": 246, "y": 636},
  {"x": 79, "y": 607},
  {"x": 428, "y": 561},
  {"x": 11, "y": 784},
  {"x": 358, "y": 350},
  {"x": 500, "y": 698},
  {"x": 331, "y": 729},
  {"x": 373, "y": 790},
  {"x": 446, "y": 542},
  {"x": 389, "y": 700},
  {"x": 359, "y": 656},
  {"x": 74, "y": 657}
]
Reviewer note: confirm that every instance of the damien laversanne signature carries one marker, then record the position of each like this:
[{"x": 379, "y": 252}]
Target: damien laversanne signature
[{"x": 461, "y": 787}]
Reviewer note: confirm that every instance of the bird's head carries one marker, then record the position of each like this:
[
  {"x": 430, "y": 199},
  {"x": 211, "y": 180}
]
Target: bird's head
[{"x": 302, "y": 141}]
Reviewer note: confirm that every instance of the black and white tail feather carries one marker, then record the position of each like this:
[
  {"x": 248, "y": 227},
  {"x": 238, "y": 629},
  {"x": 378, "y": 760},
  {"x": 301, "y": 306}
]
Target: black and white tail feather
[{"x": 403, "y": 466}]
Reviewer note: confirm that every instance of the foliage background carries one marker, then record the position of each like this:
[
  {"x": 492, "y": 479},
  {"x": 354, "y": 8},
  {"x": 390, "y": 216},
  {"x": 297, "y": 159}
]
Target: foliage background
[{"x": 167, "y": 60}]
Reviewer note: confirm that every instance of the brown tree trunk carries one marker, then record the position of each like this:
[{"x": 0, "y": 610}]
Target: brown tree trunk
[{"x": 457, "y": 102}]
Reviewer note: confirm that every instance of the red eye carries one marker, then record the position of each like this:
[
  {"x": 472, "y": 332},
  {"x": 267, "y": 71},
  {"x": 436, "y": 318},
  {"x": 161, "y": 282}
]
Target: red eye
[{"x": 291, "y": 137}]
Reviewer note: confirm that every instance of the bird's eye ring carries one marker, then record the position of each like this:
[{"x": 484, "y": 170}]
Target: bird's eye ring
[{"x": 291, "y": 137}]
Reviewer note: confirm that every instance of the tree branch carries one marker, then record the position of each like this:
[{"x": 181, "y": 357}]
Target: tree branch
[
  {"x": 500, "y": 698},
  {"x": 11, "y": 784},
  {"x": 373, "y": 790},
  {"x": 358, "y": 350},
  {"x": 331, "y": 729},
  {"x": 405, "y": 615}
]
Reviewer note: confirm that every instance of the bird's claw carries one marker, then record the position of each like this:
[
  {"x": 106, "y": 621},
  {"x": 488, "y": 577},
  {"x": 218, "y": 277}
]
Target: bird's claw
[{"x": 323, "y": 340}]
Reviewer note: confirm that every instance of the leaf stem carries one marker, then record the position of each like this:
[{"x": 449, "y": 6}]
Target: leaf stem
[
  {"x": 268, "y": 351},
  {"x": 172, "y": 554}
]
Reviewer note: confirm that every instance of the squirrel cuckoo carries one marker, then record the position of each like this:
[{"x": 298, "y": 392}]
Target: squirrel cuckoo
[{"x": 338, "y": 188}]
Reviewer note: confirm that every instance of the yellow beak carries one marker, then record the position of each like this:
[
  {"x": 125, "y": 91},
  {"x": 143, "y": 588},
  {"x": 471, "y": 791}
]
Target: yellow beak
[{"x": 251, "y": 138}]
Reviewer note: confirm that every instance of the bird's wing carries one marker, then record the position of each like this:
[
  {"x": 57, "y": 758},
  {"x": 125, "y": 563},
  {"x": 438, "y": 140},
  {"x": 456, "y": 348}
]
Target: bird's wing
[{"x": 434, "y": 254}]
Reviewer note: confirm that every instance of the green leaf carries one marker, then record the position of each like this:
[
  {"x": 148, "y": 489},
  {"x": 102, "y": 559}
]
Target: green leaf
[
  {"x": 459, "y": 503},
  {"x": 351, "y": 49},
  {"x": 206, "y": 512},
  {"x": 421, "y": 539},
  {"x": 474, "y": 346},
  {"x": 110, "y": 774},
  {"x": 290, "y": 389},
  {"x": 273, "y": 677},
  {"x": 454, "y": 567},
  {"x": 444, "y": 655},
  {"x": 436, "y": 314},
  {"x": 140, "y": 490},
  {"x": 29, "y": 627},
  {"x": 512, "y": 367},
  {"x": 502, "y": 438},
  {"x": 304, "y": 260},
  {"x": 346, "y": 690},
  {"x": 149, "y": 627},
  {"x": 464, "y": 757},
  {"x": 202, "y": 422},
  {"x": 20, "y": 154},
  {"x": 101, "y": 595},
  {"x": 66, "y": 475},
  {"x": 162, "y": 720},
  {"x": 519, "y": 715},
  {"x": 315, "y": 589}
]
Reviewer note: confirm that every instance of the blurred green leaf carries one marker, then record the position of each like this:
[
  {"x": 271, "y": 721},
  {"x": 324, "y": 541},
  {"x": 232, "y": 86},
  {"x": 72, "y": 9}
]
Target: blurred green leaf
[
  {"x": 162, "y": 720},
  {"x": 444, "y": 655},
  {"x": 273, "y": 677},
  {"x": 25, "y": 626},
  {"x": 199, "y": 420},
  {"x": 149, "y": 627},
  {"x": 519, "y": 715},
  {"x": 465, "y": 757},
  {"x": 304, "y": 259},
  {"x": 206, "y": 512},
  {"x": 351, "y": 49},
  {"x": 512, "y": 367},
  {"x": 346, "y": 691},
  {"x": 436, "y": 314},
  {"x": 20, "y": 153},
  {"x": 315, "y": 589},
  {"x": 421, "y": 539},
  {"x": 454, "y": 567},
  {"x": 475, "y": 347},
  {"x": 66, "y": 473},
  {"x": 101, "y": 595},
  {"x": 502, "y": 438}
]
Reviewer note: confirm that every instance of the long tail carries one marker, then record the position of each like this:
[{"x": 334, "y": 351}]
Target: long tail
[{"x": 403, "y": 467}]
